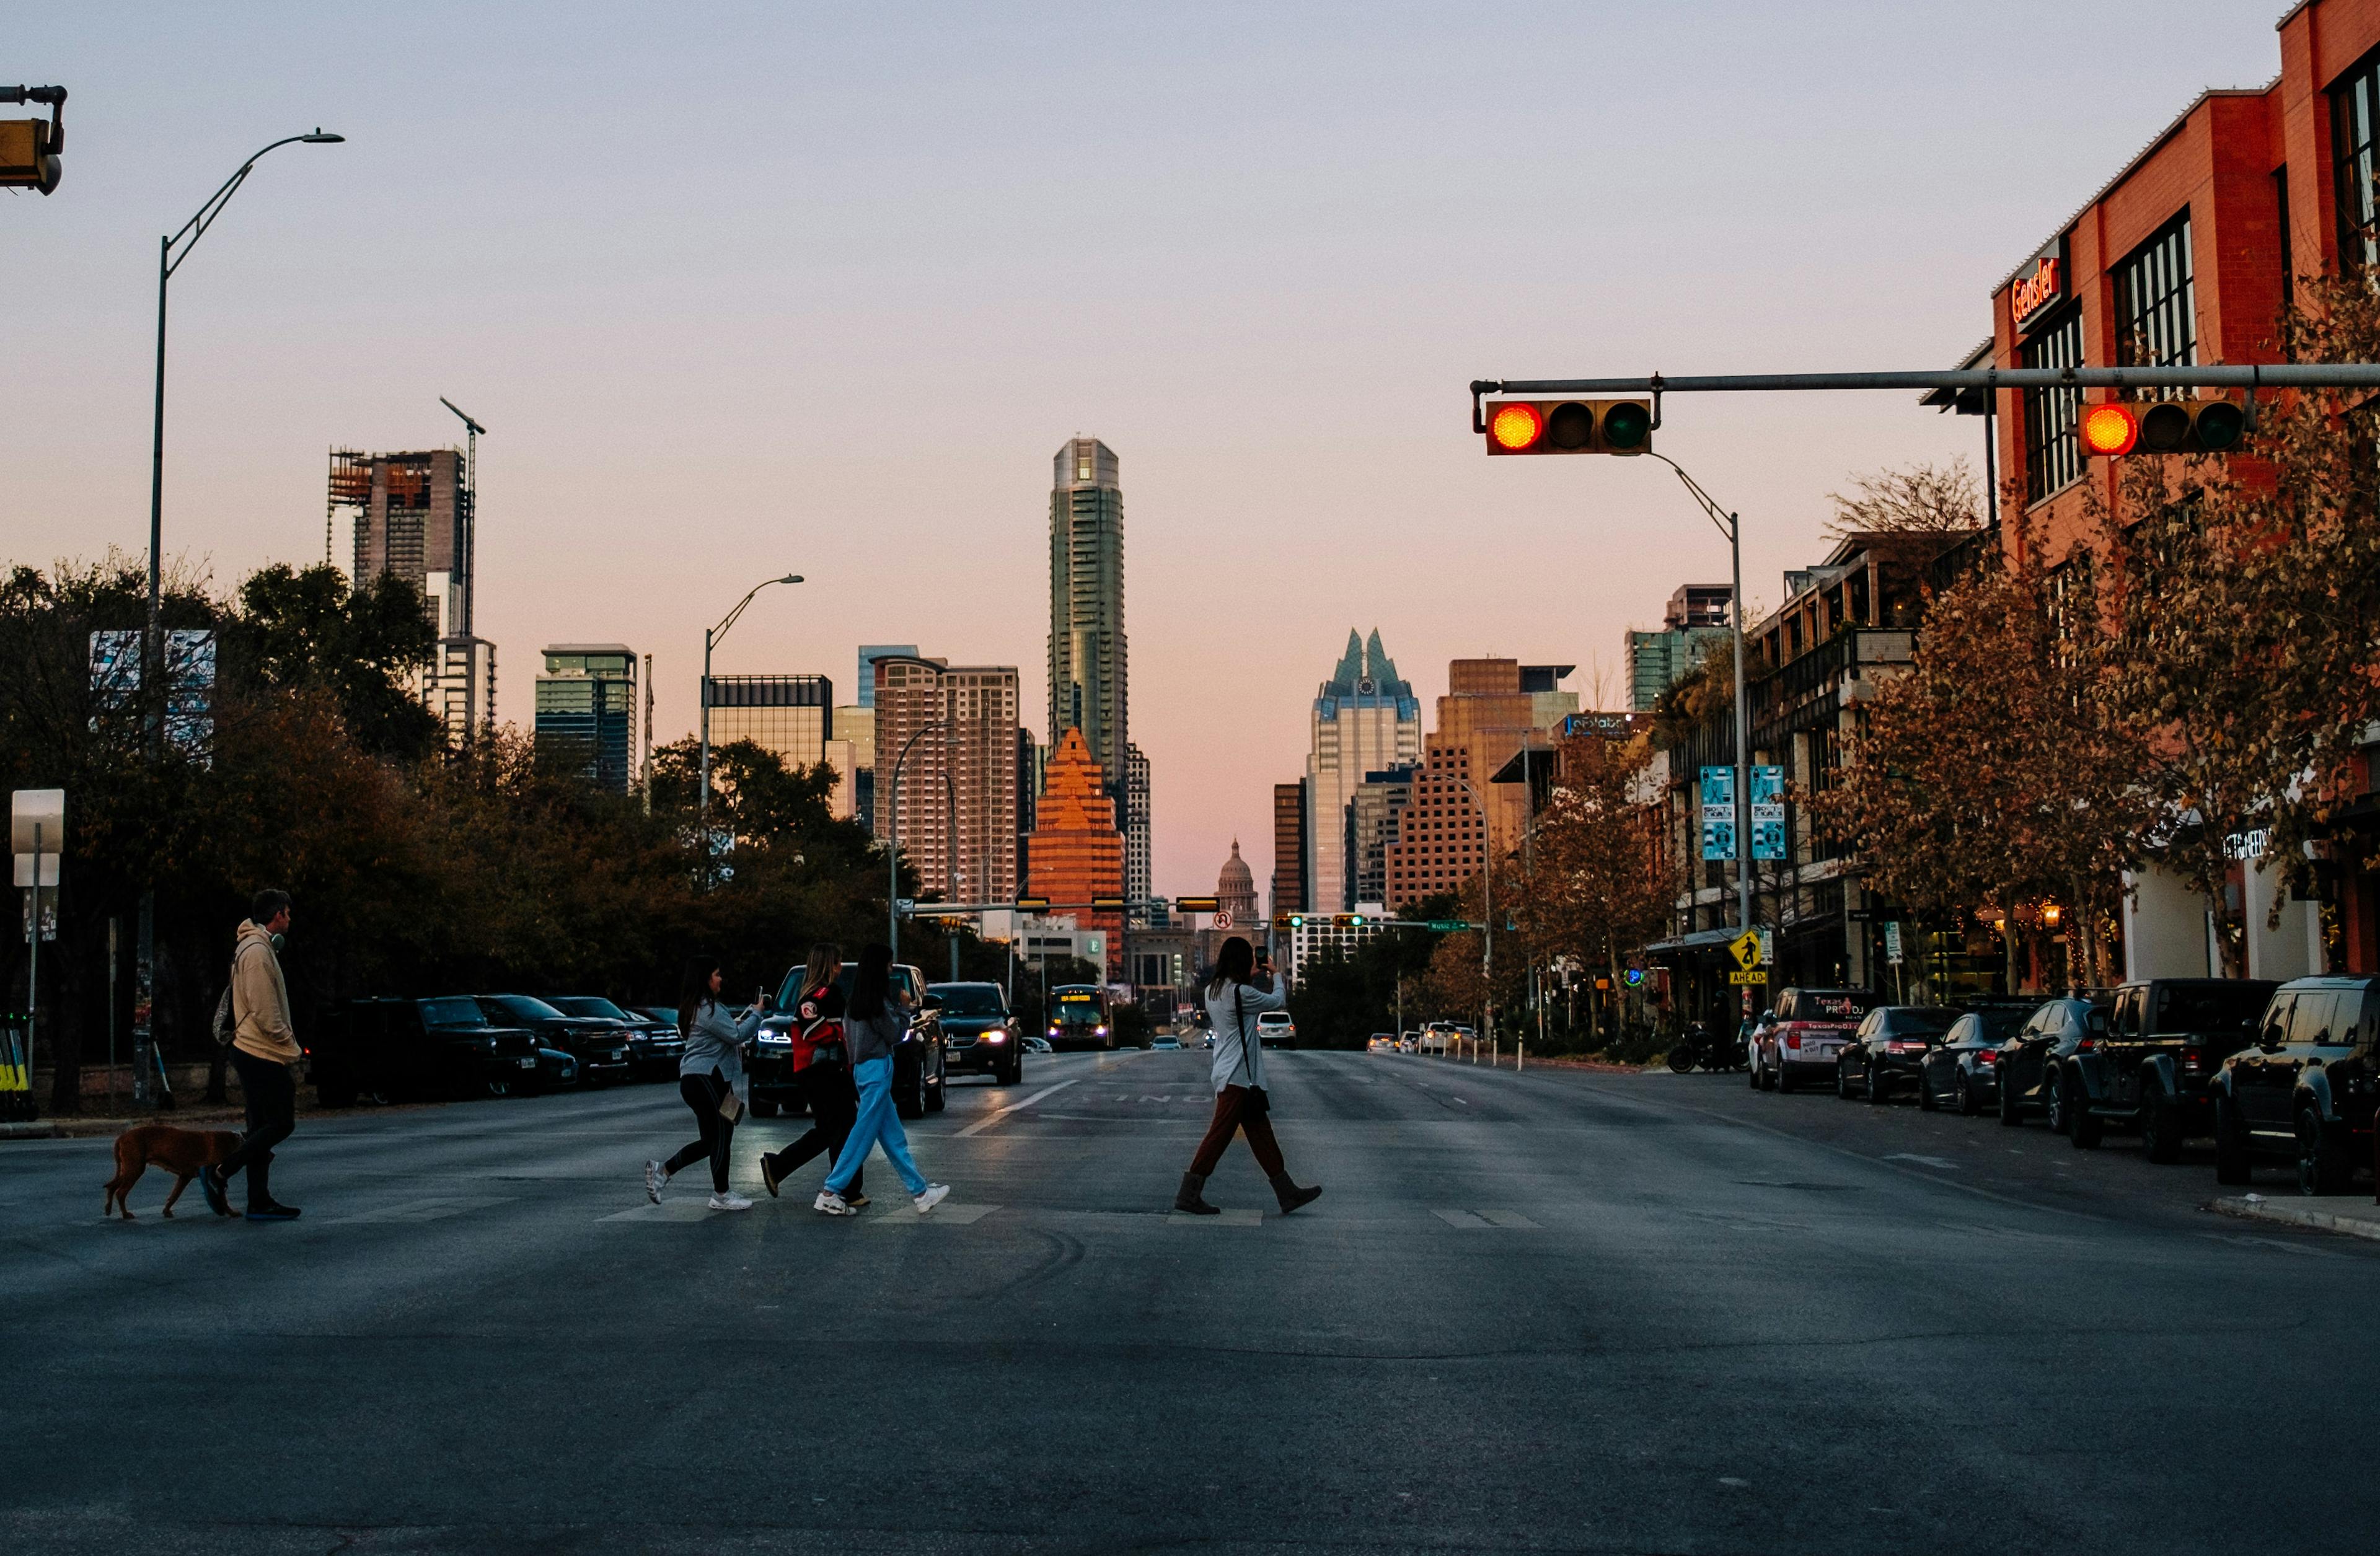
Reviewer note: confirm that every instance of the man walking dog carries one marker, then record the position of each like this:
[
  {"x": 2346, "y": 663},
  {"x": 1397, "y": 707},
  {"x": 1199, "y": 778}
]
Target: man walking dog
[{"x": 265, "y": 1052}]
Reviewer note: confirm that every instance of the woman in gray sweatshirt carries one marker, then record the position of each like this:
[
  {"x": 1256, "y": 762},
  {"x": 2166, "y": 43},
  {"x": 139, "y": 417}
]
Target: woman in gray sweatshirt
[{"x": 711, "y": 1073}]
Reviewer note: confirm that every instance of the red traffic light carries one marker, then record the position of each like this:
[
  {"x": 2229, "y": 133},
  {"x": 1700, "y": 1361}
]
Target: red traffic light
[
  {"x": 1515, "y": 427},
  {"x": 2110, "y": 429},
  {"x": 2116, "y": 429}
]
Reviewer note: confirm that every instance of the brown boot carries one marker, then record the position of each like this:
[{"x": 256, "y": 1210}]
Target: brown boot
[
  {"x": 1291, "y": 1195},
  {"x": 1187, "y": 1198}
]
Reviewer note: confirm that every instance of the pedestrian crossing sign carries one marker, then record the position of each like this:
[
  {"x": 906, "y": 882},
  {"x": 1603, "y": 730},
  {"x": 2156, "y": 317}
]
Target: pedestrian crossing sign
[{"x": 1745, "y": 949}]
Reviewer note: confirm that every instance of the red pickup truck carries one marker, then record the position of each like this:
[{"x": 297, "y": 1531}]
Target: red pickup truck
[{"x": 1809, "y": 1027}]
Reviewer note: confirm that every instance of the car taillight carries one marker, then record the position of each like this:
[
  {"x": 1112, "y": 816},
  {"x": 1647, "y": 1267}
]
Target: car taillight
[
  {"x": 1792, "y": 1039},
  {"x": 2086, "y": 1045},
  {"x": 2192, "y": 1059},
  {"x": 1987, "y": 1056},
  {"x": 1904, "y": 1048}
]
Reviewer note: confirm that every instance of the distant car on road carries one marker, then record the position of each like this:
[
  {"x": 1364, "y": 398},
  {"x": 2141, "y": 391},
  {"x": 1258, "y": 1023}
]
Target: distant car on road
[
  {"x": 1889, "y": 1048},
  {"x": 1809, "y": 1032},
  {"x": 388, "y": 1050},
  {"x": 980, "y": 1036},
  {"x": 920, "y": 1059},
  {"x": 1275, "y": 1029},
  {"x": 1963, "y": 1068},
  {"x": 1165, "y": 1040},
  {"x": 598, "y": 1044},
  {"x": 654, "y": 1046},
  {"x": 1037, "y": 1045}
]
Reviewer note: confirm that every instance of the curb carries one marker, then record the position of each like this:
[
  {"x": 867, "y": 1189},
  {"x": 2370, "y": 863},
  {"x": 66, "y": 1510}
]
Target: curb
[
  {"x": 30, "y": 1131},
  {"x": 2300, "y": 1213}
]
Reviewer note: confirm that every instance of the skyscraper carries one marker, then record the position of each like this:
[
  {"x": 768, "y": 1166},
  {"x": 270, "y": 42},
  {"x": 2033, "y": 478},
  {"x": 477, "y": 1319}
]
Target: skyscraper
[
  {"x": 1077, "y": 851},
  {"x": 1137, "y": 870},
  {"x": 412, "y": 514},
  {"x": 792, "y": 715},
  {"x": 587, "y": 710},
  {"x": 869, "y": 654},
  {"x": 1087, "y": 638},
  {"x": 1366, "y": 719},
  {"x": 1289, "y": 848},
  {"x": 974, "y": 752}
]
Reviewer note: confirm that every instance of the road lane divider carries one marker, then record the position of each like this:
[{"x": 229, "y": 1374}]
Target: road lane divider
[{"x": 979, "y": 1126}]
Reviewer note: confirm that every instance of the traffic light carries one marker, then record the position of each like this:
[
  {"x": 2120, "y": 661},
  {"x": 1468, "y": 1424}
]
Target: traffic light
[
  {"x": 1031, "y": 905},
  {"x": 1297, "y": 921},
  {"x": 1570, "y": 427},
  {"x": 28, "y": 148},
  {"x": 1195, "y": 905},
  {"x": 2117, "y": 428}
]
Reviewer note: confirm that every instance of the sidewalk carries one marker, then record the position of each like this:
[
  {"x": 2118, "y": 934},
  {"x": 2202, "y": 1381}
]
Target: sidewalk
[
  {"x": 2354, "y": 1216},
  {"x": 87, "y": 1125}
]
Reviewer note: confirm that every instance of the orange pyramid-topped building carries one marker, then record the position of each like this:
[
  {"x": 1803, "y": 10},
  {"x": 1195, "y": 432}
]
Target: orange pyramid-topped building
[{"x": 1075, "y": 853}]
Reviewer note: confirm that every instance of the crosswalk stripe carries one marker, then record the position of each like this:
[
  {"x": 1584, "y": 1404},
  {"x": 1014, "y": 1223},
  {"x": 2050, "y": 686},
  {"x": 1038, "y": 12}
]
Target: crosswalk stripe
[
  {"x": 955, "y": 1215},
  {"x": 414, "y": 1210}
]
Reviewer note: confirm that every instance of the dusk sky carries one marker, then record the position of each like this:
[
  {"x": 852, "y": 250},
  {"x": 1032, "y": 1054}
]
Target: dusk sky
[{"x": 744, "y": 290}]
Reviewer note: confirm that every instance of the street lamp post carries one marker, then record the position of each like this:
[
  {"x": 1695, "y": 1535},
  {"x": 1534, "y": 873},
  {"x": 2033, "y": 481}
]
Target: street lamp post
[
  {"x": 171, "y": 253},
  {"x": 1487, "y": 911},
  {"x": 1732, "y": 526},
  {"x": 893, "y": 843},
  {"x": 711, "y": 636}
]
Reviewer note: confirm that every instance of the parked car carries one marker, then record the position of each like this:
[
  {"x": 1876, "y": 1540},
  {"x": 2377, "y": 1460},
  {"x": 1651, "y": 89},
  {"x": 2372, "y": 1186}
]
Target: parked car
[
  {"x": 1963, "y": 1068},
  {"x": 598, "y": 1044},
  {"x": 2032, "y": 1057},
  {"x": 654, "y": 1045},
  {"x": 1275, "y": 1029},
  {"x": 556, "y": 1071},
  {"x": 918, "y": 1060},
  {"x": 1889, "y": 1048},
  {"x": 2306, "y": 1090},
  {"x": 2155, "y": 1068},
  {"x": 1809, "y": 1031},
  {"x": 979, "y": 1034},
  {"x": 1042, "y": 1045},
  {"x": 386, "y": 1049}
]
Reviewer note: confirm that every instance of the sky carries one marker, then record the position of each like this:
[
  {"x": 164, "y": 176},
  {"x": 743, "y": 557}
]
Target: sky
[{"x": 739, "y": 289}]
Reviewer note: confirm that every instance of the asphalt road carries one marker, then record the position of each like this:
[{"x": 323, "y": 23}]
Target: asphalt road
[{"x": 1550, "y": 1311}]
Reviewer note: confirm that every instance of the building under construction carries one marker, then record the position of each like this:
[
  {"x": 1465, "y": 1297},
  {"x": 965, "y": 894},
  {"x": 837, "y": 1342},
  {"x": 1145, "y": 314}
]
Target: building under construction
[{"x": 412, "y": 514}]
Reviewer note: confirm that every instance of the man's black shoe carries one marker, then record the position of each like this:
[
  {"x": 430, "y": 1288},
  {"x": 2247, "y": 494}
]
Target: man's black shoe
[
  {"x": 212, "y": 1185},
  {"x": 273, "y": 1209}
]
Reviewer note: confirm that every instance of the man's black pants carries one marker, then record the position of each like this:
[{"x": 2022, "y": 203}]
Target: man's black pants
[{"x": 271, "y": 1093}]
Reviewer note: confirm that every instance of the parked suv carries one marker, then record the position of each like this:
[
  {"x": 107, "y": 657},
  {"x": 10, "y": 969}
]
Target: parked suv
[
  {"x": 2306, "y": 1089},
  {"x": 1809, "y": 1031},
  {"x": 654, "y": 1045},
  {"x": 2033, "y": 1056},
  {"x": 918, "y": 1060},
  {"x": 1889, "y": 1048},
  {"x": 382, "y": 1050},
  {"x": 980, "y": 1036},
  {"x": 2155, "y": 1069},
  {"x": 598, "y": 1044}
]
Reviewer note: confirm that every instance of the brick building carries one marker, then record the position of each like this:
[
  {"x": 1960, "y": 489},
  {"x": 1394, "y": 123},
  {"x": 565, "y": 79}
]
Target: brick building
[
  {"x": 2183, "y": 258},
  {"x": 963, "y": 774}
]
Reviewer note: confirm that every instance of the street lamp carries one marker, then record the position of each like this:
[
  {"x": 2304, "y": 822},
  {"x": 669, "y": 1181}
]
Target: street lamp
[
  {"x": 152, "y": 657},
  {"x": 1486, "y": 907},
  {"x": 892, "y": 845},
  {"x": 710, "y": 637}
]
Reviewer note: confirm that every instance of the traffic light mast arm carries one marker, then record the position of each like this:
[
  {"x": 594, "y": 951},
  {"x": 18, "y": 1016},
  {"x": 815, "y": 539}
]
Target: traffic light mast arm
[{"x": 2253, "y": 375}]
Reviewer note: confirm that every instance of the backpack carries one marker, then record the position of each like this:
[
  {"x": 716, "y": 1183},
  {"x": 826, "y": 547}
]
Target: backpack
[
  {"x": 820, "y": 1043},
  {"x": 225, "y": 1026}
]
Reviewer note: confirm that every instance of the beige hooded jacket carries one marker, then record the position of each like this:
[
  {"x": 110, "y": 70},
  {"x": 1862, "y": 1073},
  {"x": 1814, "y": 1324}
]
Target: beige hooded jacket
[{"x": 259, "y": 1001}]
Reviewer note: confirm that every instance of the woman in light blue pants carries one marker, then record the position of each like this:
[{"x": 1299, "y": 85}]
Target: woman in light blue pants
[{"x": 872, "y": 1025}]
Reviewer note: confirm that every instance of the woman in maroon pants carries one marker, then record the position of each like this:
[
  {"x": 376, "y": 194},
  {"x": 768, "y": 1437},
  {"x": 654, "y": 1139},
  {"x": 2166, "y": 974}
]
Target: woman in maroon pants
[{"x": 1243, "y": 988}]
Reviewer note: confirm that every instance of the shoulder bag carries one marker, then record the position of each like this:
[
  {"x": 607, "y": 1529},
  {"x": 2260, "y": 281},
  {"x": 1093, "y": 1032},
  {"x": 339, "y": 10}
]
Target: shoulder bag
[
  {"x": 225, "y": 1026},
  {"x": 1256, "y": 1105}
]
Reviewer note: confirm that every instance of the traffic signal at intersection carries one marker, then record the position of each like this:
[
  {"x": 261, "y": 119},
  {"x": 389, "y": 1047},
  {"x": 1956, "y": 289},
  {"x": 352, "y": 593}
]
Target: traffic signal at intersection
[
  {"x": 1570, "y": 427},
  {"x": 2118, "y": 428}
]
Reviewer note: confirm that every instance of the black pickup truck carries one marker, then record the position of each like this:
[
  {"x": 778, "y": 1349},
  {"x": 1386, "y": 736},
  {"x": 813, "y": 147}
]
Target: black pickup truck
[{"x": 2155, "y": 1069}]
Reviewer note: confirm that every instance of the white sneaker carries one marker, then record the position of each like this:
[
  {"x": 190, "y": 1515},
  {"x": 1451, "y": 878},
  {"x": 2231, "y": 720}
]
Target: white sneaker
[
  {"x": 935, "y": 1194},
  {"x": 730, "y": 1202},
  {"x": 654, "y": 1177},
  {"x": 830, "y": 1203}
]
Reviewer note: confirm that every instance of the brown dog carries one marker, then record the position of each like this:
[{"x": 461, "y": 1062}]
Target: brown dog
[{"x": 179, "y": 1151}]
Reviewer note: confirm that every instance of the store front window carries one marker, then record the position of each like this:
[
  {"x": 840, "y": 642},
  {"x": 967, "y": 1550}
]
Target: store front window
[
  {"x": 2052, "y": 457},
  {"x": 2157, "y": 302},
  {"x": 2355, "y": 118}
]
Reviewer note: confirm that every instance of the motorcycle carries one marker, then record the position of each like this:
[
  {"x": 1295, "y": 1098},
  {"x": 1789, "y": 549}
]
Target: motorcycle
[{"x": 1698, "y": 1045}]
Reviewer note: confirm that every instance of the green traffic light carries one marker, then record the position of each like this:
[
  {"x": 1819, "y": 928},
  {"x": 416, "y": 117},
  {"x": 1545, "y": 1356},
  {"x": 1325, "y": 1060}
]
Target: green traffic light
[{"x": 1626, "y": 425}]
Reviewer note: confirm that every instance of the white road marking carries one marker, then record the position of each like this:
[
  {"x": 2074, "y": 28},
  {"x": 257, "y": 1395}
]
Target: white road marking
[
  {"x": 1243, "y": 1217},
  {"x": 413, "y": 1211},
  {"x": 1512, "y": 1220},
  {"x": 979, "y": 1126},
  {"x": 1462, "y": 1218},
  {"x": 668, "y": 1210},
  {"x": 907, "y": 1215},
  {"x": 1924, "y": 1161}
]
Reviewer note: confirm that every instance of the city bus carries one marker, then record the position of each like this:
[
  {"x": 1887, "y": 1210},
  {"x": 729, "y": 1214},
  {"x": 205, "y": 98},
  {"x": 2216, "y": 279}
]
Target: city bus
[{"x": 1078, "y": 1016}]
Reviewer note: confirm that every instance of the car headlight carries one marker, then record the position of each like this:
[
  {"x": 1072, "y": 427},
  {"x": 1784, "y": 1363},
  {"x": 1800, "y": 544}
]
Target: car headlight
[
  {"x": 1099, "y": 1031},
  {"x": 997, "y": 1035},
  {"x": 776, "y": 1039}
]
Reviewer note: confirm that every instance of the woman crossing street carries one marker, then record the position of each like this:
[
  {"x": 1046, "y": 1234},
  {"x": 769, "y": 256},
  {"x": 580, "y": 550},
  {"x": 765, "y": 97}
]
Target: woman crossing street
[
  {"x": 711, "y": 1078},
  {"x": 1244, "y": 987},
  {"x": 873, "y": 1023}
]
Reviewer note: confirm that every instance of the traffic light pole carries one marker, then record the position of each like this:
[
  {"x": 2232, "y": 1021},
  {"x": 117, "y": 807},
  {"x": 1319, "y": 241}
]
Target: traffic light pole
[{"x": 2251, "y": 376}]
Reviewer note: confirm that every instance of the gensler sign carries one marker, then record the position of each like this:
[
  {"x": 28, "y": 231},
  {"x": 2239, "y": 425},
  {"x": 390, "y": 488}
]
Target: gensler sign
[{"x": 2031, "y": 296}]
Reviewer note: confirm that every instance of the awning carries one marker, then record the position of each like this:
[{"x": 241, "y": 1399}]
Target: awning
[{"x": 1701, "y": 940}]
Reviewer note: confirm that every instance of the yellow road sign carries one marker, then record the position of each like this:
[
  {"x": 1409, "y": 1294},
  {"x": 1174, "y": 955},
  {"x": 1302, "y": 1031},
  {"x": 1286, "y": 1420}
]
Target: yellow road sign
[
  {"x": 1745, "y": 949},
  {"x": 1749, "y": 975}
]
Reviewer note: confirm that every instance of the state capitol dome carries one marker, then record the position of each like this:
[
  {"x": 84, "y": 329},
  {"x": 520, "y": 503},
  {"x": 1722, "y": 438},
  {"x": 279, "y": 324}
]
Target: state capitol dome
[{"x": 1235, "y": 889}]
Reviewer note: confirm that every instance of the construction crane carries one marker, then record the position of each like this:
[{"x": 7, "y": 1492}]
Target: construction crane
[{"x": 463, "y": 548}]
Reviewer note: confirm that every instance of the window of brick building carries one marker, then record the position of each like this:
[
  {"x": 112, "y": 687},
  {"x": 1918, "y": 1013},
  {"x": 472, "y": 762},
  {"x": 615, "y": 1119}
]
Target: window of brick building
[
  {"x": 2355, "y": 120},
  {"x": 2052, "y": 457},
  {"x": 2157, "y": 302}
]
